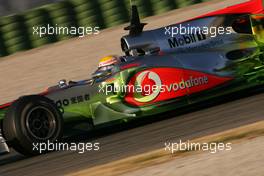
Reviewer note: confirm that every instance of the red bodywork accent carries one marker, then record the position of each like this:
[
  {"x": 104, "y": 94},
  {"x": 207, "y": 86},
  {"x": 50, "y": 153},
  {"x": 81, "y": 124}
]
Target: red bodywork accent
[
  {"x": 5, "y": 105},
  {"x": 172, "y": 76},
  {"x": 252, "y": 7},
  {"x": 129, "y": 66}
]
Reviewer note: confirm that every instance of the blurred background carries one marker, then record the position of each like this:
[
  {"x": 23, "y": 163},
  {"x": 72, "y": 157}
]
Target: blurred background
[
  {"x": 14, "y": 6},
  {"x": 19, "y": 17}
]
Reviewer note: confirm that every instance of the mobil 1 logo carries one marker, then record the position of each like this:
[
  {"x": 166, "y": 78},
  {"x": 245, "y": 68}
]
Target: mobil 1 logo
[{"x": 175, "y": 42}]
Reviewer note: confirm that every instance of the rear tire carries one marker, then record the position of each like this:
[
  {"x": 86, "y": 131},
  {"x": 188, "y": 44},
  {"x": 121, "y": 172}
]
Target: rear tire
[{"x": 30, "y": 120}]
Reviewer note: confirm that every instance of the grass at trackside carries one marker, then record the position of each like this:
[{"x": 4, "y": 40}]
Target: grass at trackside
[{"x": 122, "y": 166}]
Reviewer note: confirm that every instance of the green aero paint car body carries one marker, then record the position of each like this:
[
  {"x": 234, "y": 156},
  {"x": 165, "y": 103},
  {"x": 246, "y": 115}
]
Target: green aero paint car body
[
  {"x": 184, "y": 69},
  {"x": 88, "y": 101},
  {"x": 242, "y": 69}
]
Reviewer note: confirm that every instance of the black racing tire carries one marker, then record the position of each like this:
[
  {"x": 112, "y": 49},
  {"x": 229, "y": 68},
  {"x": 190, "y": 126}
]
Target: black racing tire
[{"x": 30, "y": 120}]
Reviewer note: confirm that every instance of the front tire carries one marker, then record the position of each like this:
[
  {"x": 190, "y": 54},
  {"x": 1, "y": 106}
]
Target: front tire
[{"x": 31, "y": 120}]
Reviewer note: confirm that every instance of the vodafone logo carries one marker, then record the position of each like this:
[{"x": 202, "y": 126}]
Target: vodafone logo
[
  {"x": 161, "y": 84},
  {"x": 147, "y": 78}
]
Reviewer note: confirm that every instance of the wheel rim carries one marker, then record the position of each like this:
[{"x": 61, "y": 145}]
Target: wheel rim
[{"x": 41, "y": 123}]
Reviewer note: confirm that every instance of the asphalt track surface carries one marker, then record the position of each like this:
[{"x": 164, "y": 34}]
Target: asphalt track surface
[
  {"x": 136, "y": 139},
  {"x": 140, "y": 139}
]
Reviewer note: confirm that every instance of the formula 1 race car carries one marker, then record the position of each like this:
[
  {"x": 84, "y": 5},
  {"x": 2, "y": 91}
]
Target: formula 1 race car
[{"x": 164, "y": 69}]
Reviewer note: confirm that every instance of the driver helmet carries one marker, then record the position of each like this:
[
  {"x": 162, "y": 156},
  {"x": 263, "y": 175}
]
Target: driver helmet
[{"x": 108, "y": 62}]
